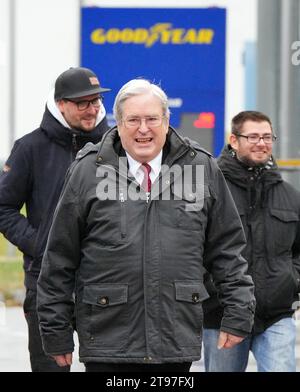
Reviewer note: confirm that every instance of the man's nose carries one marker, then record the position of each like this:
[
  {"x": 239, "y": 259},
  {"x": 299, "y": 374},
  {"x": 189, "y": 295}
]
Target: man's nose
[
  {"x": 143, "y": 125},
  {"x": 261, "y": 141}
]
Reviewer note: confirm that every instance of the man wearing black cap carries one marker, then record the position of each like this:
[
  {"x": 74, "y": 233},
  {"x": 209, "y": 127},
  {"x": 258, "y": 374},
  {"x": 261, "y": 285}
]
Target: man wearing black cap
[{"x": 34, "y": 175}]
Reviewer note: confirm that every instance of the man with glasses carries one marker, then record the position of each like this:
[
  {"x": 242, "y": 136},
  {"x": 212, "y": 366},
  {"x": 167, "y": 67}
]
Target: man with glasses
[
  {"x": 34, "y": 175},
  {"x": 269, "y": 209},
  {"x": 129, "y": 235}
]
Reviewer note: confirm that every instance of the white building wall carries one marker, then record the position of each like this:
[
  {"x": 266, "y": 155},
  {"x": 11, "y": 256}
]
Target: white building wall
[
  {"x": 47, "y": 36},
  {"x": 47, "y": 42},
  {"x": 4, "y": 77}
]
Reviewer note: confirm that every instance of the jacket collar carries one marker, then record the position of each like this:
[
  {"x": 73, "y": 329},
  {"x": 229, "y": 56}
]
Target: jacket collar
[{"x": 61, "y": 135}]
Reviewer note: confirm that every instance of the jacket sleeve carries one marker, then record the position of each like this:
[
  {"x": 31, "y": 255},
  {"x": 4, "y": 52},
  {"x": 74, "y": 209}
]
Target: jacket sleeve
[
  {"x": 15, "y": 188},
  {"x": 225, "y": 241},
  {"x": 57, "y": 278}
]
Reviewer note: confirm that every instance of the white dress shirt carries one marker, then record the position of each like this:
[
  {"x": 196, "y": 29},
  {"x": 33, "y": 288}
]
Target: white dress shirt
[{"x": 136, "y": 171}]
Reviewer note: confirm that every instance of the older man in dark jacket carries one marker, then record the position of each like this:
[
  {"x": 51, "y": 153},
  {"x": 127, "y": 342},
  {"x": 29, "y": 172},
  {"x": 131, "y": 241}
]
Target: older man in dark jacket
[
  {"x": 34, "y": 175},
  {"x": 270, "y": 212},
  {"x": 139, "y": 214}
]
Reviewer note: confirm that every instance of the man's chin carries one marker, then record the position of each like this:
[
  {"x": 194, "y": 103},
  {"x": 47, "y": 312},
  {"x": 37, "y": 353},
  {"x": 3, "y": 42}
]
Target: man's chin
[
  {"x": 261, "y": 162},
  {"x": 254, "y": 162},
  {"x": 89, "y": 128}
]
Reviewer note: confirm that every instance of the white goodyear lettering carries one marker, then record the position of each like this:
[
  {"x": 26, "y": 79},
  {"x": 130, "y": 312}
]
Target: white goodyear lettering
[{"x": 159, "y": 33}]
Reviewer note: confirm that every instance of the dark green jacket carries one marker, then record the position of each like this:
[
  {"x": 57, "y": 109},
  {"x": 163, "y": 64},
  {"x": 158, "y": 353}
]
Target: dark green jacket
[{"x": 137, "y": 267}]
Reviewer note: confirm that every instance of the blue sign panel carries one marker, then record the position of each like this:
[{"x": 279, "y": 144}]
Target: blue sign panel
[{"x": 182, "y": 50}]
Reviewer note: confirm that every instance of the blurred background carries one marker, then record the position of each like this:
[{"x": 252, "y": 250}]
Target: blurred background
[{"x": 214, "y": 58}]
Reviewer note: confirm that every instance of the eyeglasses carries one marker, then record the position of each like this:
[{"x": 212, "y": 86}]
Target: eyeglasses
[
  {"x": 254, "y": 139},
  {"x": 136, "y": 122},
  {"x": 83, "y": 105}
]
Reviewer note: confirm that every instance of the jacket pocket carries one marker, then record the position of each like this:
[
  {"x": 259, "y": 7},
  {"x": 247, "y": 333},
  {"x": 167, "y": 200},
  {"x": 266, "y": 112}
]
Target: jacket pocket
[
  {"x": 190, "y": 212},
  {"x": 189, "y": 296},
  {"x": 284, "y": 226},
  {"x": 281, "y": 287},
  {"x": 106, "y": 221},
  {"x": 285, "y": 215},
  {"x": 40, "y": 242},
  {"x": 107, "y": 320}
]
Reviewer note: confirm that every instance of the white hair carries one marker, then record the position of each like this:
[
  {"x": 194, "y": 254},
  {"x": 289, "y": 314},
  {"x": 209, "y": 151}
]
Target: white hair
[{"x": 139, "y": 87}]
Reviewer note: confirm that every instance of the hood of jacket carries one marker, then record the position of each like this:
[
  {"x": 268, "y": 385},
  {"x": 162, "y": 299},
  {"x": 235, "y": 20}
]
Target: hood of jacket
[{"x": 57, "y": 129}]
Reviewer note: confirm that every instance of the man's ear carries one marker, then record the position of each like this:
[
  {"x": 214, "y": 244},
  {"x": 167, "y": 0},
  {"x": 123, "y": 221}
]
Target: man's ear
[
  {"x": 167, "y": 125},
  {"x": 233, "y": 140},
  {"x": 60, "y": 105}
]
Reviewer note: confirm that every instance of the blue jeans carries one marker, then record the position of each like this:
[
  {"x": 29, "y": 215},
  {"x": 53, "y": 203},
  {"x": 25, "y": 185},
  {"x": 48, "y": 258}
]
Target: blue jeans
[{"x": 273, "y": 350}]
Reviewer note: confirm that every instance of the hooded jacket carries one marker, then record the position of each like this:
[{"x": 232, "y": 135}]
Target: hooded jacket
[
  {"x": 270, "y": 210},
  {"x": 34, "y": 175},
  {"x": 137, "y": 267}
]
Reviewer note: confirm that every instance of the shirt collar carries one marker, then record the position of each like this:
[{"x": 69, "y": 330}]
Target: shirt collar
[{"x": 154, "y": 163}]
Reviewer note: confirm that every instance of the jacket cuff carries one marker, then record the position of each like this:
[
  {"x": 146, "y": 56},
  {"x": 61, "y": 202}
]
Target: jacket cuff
[
  {"x": 235, "y": 332},
  {"x": 59, "y": 343},
  {"x": 238, "y": 319}
]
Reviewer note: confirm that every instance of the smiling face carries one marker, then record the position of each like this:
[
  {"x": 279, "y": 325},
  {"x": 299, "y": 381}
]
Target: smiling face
[
  {"x": 256, "y": 154},
  {"x": 80, "y": 119},
  {"x": 143, "y": 128}
]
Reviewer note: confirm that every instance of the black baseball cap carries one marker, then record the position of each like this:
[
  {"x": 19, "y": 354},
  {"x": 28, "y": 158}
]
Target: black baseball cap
[{"x": 77, "y": 82}]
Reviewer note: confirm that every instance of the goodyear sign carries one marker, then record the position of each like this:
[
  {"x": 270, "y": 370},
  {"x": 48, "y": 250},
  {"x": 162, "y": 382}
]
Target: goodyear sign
[
  {"x": 183, "y": 50},
  {"x": 163, "y": 33}
]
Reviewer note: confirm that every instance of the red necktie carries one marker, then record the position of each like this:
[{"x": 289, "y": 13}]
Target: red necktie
[{"x": 146, "y": 184}]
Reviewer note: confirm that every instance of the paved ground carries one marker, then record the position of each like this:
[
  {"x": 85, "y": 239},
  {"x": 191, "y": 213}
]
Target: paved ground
[{"x": 13, "y": 345}]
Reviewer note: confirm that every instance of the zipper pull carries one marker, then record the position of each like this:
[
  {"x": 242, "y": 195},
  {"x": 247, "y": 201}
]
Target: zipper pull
[
  {"x": 147, "y": 197},
  {"x": 121, "y": 196},
  {"x": 74, "y": 142},
  {"x": 123, "y": 216}
]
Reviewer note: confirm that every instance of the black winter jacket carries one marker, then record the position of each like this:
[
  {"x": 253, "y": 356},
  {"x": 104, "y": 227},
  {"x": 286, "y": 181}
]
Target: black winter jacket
[
  {"x": 34, "y": 176},
  {"x": 270, "y": 212},
  {"x": 137, "y": 267}
]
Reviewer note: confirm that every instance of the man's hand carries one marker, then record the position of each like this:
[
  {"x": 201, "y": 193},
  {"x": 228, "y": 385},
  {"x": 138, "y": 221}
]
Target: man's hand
[
  {"x": 63, "y": 360},
  {"x": 226, "y": 340}
]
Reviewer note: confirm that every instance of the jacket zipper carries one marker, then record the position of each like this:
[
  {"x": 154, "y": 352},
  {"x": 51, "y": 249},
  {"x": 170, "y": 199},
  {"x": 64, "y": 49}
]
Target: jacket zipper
[
  {"x": 123, "y": 218},
  {"x": 126, "y": 178},
  {"x": 74, "y": 145}
]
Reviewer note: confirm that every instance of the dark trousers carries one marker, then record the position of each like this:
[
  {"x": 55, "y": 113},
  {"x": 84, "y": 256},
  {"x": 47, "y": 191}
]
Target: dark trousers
[
  {"x": 40, "y": 362},
  {"x": 138, "y": 367}
]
